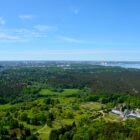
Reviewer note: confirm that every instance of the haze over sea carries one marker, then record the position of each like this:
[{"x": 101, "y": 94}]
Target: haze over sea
[{"x": 126, "y": 65}]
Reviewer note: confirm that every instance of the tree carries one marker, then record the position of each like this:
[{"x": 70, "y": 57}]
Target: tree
[{"x": 24, "y": 116}]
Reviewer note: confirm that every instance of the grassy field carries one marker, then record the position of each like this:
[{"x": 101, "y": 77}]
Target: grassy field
[
  {"x": 44, "y": 132},
  {"x": 65, "y": 92},
  {"x": 92, "y": 106},
  {"x": 113, "y": 117},
  {"x": 5, "y": 107}
]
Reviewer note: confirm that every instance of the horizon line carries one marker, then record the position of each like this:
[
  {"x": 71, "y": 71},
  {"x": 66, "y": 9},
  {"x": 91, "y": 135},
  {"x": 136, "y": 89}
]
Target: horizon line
[{"x": 75, "y": 60}]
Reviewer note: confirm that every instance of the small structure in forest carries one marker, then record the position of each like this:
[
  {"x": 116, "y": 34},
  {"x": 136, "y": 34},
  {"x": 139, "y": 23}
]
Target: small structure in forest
[{"x": 126, "y": 113}]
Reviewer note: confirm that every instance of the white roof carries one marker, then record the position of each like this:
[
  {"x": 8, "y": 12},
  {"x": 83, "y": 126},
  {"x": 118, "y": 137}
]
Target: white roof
[
  {"x": 116, "y": 112},
  {"x": 134, "y": 115}
]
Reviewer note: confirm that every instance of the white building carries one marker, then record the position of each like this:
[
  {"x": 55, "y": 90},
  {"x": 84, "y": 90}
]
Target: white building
[
  {"x": 114, "y": 111},
  {"x": 127, "y": 113}
]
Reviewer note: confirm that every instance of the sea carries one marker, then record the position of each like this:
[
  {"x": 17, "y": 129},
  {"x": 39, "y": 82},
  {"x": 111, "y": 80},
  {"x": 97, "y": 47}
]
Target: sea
[{"x": 124, "y": 65}]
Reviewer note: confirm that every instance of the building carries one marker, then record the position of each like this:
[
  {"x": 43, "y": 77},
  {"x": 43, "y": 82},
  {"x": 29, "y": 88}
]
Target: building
[{"x": 126, "y": 113}]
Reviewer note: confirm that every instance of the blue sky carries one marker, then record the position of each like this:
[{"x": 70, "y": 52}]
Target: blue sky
[{"x": 70, "y": 30}]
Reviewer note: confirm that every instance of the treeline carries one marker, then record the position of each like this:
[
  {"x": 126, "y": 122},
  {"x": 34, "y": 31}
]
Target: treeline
[{"x": 20, "y": 81}]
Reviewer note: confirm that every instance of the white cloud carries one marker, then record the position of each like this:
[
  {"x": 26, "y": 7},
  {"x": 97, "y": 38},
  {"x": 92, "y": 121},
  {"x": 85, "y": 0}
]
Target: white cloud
[
  {"x": 25, "y": 34},
  {"x": 78, "y": 41},
  {"x": 75, "y": 10},
  {"x": 26, "y": 17},
  {"x": 20, "y": 34},
  {"x": 45, "y": 28},
  {"x": 5, "y": 37},
  {"x": 2, "y": 21},
  {"x": 81, "y": 52},
  {"x": 71, "y": 40},
  {"x": 94, "y": 41}
]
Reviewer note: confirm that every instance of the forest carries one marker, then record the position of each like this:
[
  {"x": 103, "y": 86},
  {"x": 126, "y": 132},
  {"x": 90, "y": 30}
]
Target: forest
[{"x": 68, "y": 102}]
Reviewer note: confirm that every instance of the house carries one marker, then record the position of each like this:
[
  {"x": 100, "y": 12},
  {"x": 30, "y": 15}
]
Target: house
[
  {"x": 126, "y": 113},
  {"x": 114, "y": 111},
  {"x": 133, "y": 115}
]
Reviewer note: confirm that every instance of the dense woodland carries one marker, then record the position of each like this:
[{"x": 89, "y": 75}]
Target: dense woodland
[{"x": 68, "y": 102}]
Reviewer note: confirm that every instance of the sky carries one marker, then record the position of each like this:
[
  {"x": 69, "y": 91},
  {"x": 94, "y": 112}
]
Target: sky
[{"x": 70, "y": 30}]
